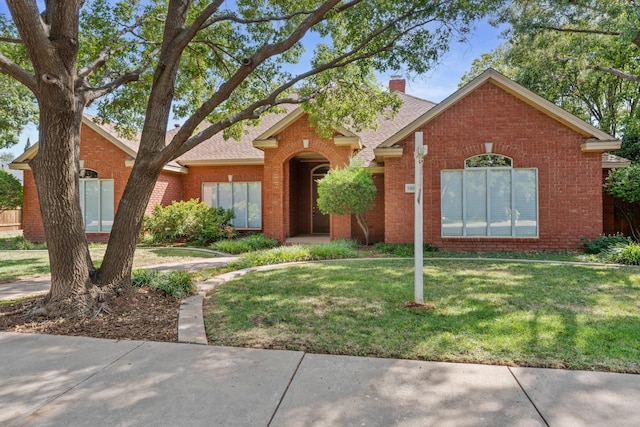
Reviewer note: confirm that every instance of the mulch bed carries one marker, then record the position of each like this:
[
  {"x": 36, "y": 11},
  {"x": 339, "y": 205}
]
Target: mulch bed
[{"x": 141, "y": 314}]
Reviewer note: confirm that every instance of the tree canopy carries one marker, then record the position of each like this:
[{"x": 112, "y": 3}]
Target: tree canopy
[
  {"x": 219, "y": 65},
  {"x": 578, "y": 56}
]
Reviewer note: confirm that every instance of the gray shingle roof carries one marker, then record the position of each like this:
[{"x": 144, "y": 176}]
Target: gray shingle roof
[{"x": 217, "y": 149}]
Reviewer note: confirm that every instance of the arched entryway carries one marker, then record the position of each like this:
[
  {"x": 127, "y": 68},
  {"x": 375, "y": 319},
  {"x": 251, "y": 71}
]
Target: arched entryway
[{"x": 304, "y": 216}]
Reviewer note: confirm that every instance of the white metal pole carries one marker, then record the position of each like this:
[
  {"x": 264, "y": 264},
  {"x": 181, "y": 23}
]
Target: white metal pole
[{"x": 420, "y": 152}]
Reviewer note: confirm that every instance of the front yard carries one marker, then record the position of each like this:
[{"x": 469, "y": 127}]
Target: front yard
[{"x": 527, "y": 314}]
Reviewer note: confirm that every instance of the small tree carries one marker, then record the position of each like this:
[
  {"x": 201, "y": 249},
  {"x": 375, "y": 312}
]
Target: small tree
[
  {"x": 624, "y": 186},
  {"x": 10, "y": 191},
  {"x": 348, "y": 191}
]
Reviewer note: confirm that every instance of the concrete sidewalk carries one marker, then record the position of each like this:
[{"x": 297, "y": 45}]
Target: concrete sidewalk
[{"x": 48, "y": 380}]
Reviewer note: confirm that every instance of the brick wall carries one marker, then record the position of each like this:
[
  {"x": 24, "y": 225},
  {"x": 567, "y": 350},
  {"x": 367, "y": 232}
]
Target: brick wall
[
  {"x": 277, "y": 190},
  {"x": 109, "y": 162},
  {"x": 569, "y": 181},
  {"x": 375, "y": 217}
]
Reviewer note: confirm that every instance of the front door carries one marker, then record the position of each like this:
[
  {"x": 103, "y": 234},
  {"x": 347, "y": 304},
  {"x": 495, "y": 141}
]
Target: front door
[{"x": 319, "y": 221}]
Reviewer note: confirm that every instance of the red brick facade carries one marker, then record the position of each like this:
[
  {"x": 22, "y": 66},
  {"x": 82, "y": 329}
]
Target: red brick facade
[
  {"x": 569, "y": 181},
  {"x": 108, "y": 161},
  {"x": 570, "y": 200}
]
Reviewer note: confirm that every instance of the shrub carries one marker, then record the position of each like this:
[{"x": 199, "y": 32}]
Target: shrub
[
  {"x": 282, "y": 254},
  {"x": 191, "y": 221},
  {"x": 603, "y": 242},
  {"x": 628, "y": 254},
  {"x": 175, "y": 284},
  {"x": 250, "y": 243},
  {"x": 402, "y": 249}
]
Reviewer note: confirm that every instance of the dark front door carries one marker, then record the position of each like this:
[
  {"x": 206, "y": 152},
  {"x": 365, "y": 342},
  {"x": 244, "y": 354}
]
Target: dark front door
[{"x": 319, "y": 221}]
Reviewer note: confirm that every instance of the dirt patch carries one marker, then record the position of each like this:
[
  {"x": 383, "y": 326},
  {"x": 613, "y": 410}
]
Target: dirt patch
[{"x": 141, "y": 314}]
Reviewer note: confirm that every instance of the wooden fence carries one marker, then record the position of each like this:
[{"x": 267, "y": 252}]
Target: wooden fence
[{"x": 11, "y": 220}]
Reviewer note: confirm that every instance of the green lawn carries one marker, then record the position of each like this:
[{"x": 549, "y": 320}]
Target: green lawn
[
  {"x": 545, "y": 315},
  {"x": 16, "y": 264}
]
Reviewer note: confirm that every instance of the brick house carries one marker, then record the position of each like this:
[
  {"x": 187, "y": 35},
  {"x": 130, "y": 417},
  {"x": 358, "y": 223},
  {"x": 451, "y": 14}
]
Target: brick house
[{"x": 505, "y": 170}]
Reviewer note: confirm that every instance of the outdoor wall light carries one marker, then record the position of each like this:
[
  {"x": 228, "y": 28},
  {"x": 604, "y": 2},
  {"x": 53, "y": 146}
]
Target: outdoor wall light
[{"x": 488, "y": 147}]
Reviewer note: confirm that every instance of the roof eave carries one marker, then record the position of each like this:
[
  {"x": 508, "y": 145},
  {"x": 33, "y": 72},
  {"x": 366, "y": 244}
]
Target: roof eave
[
  {"x": 383, "y": 153},
  {"x": 599, "y": 146}
]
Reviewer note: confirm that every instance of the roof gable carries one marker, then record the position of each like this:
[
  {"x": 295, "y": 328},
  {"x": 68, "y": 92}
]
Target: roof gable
[
  {"x": 521, "y": 93},
  {"x": 109, "y": 133}
]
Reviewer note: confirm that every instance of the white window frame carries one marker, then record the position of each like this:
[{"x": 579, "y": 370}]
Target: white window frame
[
  {"x": 214, "y": 187},
  {"x": 104, "y": 225},
  {"x": 465, "y": 172}
]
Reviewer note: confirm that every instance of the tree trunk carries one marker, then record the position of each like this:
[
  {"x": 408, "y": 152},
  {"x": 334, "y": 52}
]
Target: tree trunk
[
  {"x": 115, "y": 271},
  {"x": 362, "y": 222},
  {"x": 56, "y": 173}
]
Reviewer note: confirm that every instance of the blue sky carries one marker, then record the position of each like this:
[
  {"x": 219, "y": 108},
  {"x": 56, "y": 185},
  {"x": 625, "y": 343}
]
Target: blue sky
[{"x": 435, "y": 85}]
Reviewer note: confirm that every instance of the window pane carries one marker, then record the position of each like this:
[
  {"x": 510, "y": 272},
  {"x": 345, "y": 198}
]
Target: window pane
[
  {"x": 451, "y": 197},
  {"x": 106, "y": 205},
  {"x": 526, "y": 202},
  {"x": 208, "y": 194},
  {"x": 240, "y": 205},
  {"x": 500, "y": 202},
  {"x": 255, "y": 205},
  {"x": 475, "y": 189},
  {"x": 92, "y": 205},
  {"x": 487, "y": 161},
  {"x": 225, "y": 197}
]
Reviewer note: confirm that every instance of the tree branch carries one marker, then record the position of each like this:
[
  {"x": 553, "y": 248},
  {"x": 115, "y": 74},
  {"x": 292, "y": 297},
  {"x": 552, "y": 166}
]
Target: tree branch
[
  {"x": 12, "y": 69},
  {"x": 10, "y": 40},
  {"x": 107, "y": 51},
  {"x": 581, "y": 30},
  {"x": 91, "y": 94},
  {"x": 616, "y": 72},
  {"x": 183, "y": 141}
]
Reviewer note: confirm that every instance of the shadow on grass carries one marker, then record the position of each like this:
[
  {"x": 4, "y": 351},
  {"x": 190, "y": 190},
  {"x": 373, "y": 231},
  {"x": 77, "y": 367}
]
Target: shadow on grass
[{"x": 578, "y": 317}]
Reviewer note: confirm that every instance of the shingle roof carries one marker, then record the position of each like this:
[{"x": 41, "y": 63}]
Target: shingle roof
[{"x": 217, "y": 149}]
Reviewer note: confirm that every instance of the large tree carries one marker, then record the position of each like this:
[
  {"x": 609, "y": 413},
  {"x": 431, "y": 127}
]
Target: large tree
[
  {"x": 581, "y": 55},
  {"x": 221, "y": 63}
]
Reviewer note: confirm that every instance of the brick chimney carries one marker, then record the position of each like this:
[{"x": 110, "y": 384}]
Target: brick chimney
[{"x": 397, "y": 84}]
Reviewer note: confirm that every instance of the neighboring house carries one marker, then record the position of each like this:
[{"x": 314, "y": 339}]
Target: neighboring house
[{"x": 505, "y": 170}]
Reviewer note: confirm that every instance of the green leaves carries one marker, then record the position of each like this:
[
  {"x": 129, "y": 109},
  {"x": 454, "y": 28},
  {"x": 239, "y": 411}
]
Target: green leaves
[
  {"x": 624, "y": 183},
  {"x": 346, "y": 191},
  {"x": 10, "y": 191}
]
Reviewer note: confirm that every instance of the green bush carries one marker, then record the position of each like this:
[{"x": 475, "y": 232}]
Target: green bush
[
  {"x": 191, "y": 221},
  {"x": 250, "y": 243},
  {"x": 175, "y": 284},
  {"x": 282, "y": 254},
  {"x": 402, "y": 249},
  {"x": 19, "y": 243},
  {"x": 628, "y": 254},
  {"x": 603, "y": 242}
]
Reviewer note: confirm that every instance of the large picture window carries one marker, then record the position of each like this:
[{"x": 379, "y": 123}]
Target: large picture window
[
  {"x": 244, "y": 198},
  {"x": 96, "y": 202},
  {"x": 489, "y": 198}
]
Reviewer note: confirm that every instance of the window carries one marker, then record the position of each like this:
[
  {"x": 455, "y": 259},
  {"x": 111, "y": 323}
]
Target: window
[
  {"x": 489, "y": 198},
  {"x": 96, "y": 202},
  {"x": 244, "y": 198}
]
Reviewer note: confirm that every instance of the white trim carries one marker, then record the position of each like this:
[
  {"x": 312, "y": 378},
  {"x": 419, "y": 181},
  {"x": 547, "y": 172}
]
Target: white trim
[
  {"x": 596, "y": 146},
  {"x": 383, "y": 153}
]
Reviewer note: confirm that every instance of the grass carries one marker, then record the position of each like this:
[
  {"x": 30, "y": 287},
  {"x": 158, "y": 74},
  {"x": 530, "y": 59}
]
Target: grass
[
  {"x": 544, "y": 315},
  {"x": 18, "y": 264},
  {"x": 278, "y": 255}
]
